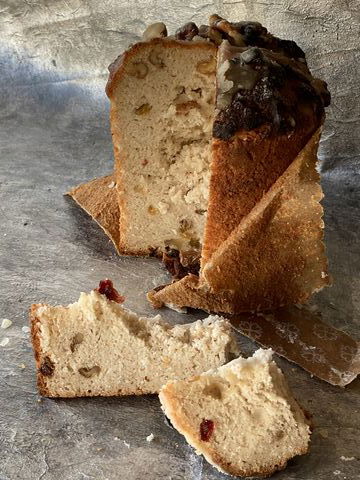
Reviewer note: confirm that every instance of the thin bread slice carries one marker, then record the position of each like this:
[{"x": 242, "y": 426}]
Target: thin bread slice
[
  {"x": 242, "y": 416},
  {"x": 98, "y": 198},
  {"x": 275, "y": 256},
  {"x": 97, "y": 347}
]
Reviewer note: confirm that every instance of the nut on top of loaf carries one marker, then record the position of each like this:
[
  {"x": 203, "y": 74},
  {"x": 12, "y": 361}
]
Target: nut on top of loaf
[{"x": 262, "y": 80}]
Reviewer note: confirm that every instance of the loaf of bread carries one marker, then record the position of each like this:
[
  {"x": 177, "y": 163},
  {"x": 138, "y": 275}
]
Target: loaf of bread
[
  {"x": 97, "y": 347},
  {"x": 212, "y": 131},
  {"x": 242, "y": 416}
]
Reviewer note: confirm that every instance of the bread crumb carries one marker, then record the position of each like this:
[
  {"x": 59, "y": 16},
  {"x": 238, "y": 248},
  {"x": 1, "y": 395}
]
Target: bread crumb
[
  {"x": 111, "y": 185},
  {"x": 337, "y": 472},
  {"x": 127, "y": 445},
  {"x": 25, "y": 329},
  {"x": 4, "y": 342},
  {"x": 150, "y": 437},
  {"x": 22, "y": 365},
  {"x": 347, "y": 459},
  {"x": 6, "y": 323}
]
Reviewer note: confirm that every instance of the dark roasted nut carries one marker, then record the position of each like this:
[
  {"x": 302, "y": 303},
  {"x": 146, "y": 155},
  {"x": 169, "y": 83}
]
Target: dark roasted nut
[
  {"x": 214, "y": 19},
  {"x": 211, "y": 33},
  {"x": 251, "y": 54},
  {"x": 187, "y": 31},
  {"x": 290, "y": 48},
  {"x": 89, "y": 372},
  {"x": 251, "y": 31},
  {"x": 156, "y": 30},
  {"x": 47, "y": 367}
]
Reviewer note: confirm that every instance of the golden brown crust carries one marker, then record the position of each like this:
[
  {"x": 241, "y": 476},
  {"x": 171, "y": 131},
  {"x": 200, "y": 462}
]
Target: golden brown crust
[
  {"x": 99, "y": 199},
  {"x": 174, "y": 411},
  {"x": 242, "y": 170},
  {"x": 275, "y": 257}
]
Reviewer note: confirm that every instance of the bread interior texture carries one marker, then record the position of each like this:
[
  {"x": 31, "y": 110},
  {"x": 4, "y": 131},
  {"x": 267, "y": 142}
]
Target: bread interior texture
[{"x": 162, "y": 114}]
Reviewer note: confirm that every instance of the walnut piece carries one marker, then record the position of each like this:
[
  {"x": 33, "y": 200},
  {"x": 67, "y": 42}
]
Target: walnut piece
[
  {"x": 89, "y": 372},
  {"x": 156, "y": 59},
  {"x": 75, "y": 341},
  {"x": 143, "y": 109},
  {"x": 207, "y": 67},
  {"x": 155, "y": 30},
  {"x": 138, "y": 69}
]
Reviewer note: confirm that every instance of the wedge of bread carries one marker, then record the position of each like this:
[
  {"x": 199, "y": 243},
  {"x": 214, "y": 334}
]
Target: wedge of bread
[
  {"x": 97, "y": 347},
  {"x": 242, "y": 416}
]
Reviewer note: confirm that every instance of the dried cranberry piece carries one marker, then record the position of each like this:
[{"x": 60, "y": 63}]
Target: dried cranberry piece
[
  {"x": 206, "y": 429},
  {"x": 106, "y": 288},
  {"x": 47, "y": 367}
]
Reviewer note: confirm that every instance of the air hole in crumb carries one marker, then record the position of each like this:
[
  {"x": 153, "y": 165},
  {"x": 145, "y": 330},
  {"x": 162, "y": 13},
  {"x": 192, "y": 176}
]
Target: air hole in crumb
[
  {"x": 75, "y": 341},
  {"x": 213, "y": 391},
  {"x": 89, "y": 372}
]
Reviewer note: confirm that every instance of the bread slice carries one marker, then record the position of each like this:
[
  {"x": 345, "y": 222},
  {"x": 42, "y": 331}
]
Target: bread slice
[
  {"x": 242, "y": 416},
  {"x": 162, "y": 95},
  {"x": 274, "y": 257},
  {"x": 97, "y": 347}
]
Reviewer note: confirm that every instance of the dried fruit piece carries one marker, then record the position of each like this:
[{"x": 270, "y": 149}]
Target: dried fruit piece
[
  {"x": 106, "y": 288},
  {"x": 47, "y": 367},
  {"x": 206, "y": 429}
]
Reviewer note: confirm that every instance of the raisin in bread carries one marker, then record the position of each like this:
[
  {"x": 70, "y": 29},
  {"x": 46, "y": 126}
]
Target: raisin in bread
[
  {"x": 242, "y": 416},
  {"x": 97, "y": 347}
]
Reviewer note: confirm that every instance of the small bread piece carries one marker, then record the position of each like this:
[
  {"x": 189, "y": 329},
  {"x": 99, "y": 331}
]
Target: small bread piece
[
  {"x": 97, "y": 347},
  {"x": 242, "y": 416}
]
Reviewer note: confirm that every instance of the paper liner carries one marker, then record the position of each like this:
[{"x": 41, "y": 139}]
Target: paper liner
[
  {"x": 99, "y": 199},
  {"x": 302, "y": 337}
]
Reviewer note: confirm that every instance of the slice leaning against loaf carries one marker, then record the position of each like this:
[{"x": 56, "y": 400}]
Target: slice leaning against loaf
[
  {"x": 242, "y": 416},
  {"x": 97, "y": 347}
]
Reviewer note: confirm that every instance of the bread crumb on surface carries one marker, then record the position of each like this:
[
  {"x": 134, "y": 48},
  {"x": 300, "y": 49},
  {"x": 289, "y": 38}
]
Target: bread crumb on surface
[
  {"x": 150, "y": 437},
  {"x": 127, "y": 445},
  {"x": 6, "y": 323},
  {"x": 22, "y": 365},
  {"x": 25, "y": 329},
  {"x": 4, "y": 342},
  {"x": 111, "y": 185},
  {"x": 347, "y": 459}
]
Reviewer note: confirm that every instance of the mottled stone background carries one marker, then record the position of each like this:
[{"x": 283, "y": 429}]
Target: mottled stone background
[{"x": 54, "y": 133}]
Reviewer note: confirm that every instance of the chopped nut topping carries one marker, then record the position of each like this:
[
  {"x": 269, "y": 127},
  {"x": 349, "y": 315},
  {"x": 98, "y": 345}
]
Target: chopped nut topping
[
  {"x": 152, "y": 210},
  {"x": 187, "y": 31}
]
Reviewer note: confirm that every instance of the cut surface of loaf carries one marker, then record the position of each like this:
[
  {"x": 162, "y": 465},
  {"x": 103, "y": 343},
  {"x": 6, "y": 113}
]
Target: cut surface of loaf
[
  {"x": 242, "y": 416},
  {"x": 97, "y": 347},
  {"x": 162, "y": 110}
]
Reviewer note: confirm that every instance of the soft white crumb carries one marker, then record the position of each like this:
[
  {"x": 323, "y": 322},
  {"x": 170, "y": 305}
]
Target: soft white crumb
[
  {"x": 336, "y": 472},
  {"x": 4, "y": 342},
  {"x": 127, "y": 445},
  {"x": 6, "y": 323},
  {"x": 22, "y": 365},
  {"x": 111, "y": 185},
  {"x": 150, "y": 437},
  {"x": 25, "y": 329},
  {"x": 347, "y": 459}
]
